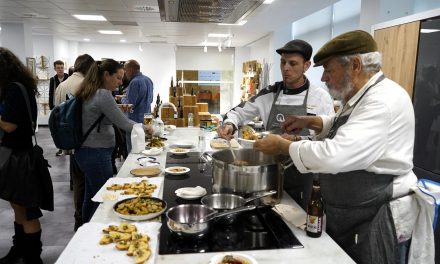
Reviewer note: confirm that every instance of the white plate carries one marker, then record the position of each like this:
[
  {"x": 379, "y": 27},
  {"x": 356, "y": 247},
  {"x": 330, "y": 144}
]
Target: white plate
[
  {"x": 217, "y": 259},
  {"x": 152, "y": 151},
  {"x": 246, "y": 143},
  {"x": 169, "y": 170},
  {"x": 184, "y": 144},
  {"x": 170, "y": 127},
  {"x": 84, "y": 246},
  {"x": 179, "y": 151},
  {"x": 140, "y": 217},
  {"x": 190, "y": 197},
  {"x": 119, "y": 180}
]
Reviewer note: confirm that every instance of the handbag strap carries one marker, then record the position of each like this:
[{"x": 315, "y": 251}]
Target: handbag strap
[{"x": 26, "y": 98}]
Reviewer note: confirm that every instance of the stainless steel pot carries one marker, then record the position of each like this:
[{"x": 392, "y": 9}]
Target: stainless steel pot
[
  {"x": 193, "y": 220},
  {"x": 261, "y": 173}
]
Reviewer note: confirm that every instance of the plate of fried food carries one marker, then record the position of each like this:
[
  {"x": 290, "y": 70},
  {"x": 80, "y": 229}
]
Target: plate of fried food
[
  {"x": 156, "y": 142},
  {"x": 232, "y": 258},
  {"x": 129, "y": 187},
  {"x": 179, "y": 151},
  {"x": 115, "y": 242},
  {"x": 177, "y": 170},
  {"x": 140, "y": 208}
]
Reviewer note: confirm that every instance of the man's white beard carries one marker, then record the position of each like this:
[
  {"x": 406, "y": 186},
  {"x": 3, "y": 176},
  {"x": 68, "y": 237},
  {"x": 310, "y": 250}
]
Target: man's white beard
[{"x": 346, "y": 88}]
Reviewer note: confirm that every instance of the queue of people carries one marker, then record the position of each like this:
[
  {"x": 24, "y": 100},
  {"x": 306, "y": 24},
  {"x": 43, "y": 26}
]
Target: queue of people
[{"x": 362, "y": 154}]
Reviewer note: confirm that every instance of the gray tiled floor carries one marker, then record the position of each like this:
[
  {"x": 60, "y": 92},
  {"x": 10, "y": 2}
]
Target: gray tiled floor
[{"x": 57, "y": 226}]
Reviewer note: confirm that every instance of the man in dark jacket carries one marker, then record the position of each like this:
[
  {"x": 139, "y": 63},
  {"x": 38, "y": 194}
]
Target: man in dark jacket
[{"x": 58, "y": 78}]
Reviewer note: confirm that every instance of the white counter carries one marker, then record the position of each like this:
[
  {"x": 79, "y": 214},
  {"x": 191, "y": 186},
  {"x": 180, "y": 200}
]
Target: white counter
[{"x": 316, "y": 250}]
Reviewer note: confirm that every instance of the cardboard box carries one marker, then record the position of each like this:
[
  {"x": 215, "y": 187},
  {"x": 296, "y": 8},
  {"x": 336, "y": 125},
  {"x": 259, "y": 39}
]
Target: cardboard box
[
  {"x": 179, "y": 91},
  {"x": 167, "y": 112},
  {"x": 203, "y": 107},
  {"x": 180, "y": 122},
  {"x": 189, "y": 100}
]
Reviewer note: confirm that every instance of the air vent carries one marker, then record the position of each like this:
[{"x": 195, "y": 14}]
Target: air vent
[
  {"x": 124, "y": 23},
  {"x": 206, "y": 11},
  {"x": 147, "y": 9}
]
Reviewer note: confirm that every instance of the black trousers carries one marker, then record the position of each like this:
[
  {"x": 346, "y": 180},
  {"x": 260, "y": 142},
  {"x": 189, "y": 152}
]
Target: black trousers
[{"x": 78, "y": 190}]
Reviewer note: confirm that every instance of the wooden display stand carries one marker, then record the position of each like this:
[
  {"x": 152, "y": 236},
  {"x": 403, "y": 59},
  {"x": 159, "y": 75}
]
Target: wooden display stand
[{"x": 188, "y": 104}]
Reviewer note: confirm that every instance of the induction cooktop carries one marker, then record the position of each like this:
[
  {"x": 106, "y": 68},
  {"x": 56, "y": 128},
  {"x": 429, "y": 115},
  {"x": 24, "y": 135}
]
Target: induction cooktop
[{"x": 258, "y": 229}]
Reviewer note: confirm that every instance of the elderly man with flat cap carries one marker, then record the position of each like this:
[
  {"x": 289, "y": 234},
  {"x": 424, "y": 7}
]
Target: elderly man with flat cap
[
  {"x": 295, "y": 95},
  {"x": 363, "y": 154}
]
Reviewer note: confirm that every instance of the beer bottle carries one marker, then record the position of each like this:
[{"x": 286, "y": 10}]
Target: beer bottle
[
  {"x": 315, "y": 211},
  {"x": 172, "y": 84}
]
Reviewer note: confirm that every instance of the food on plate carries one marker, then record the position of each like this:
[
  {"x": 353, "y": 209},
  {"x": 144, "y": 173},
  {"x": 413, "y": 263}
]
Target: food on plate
[
  {"x": 156, "y": 142},
  {"x": 136, "y": 244},
  {"x": 142, "y": 188},
  {"x": 177, "y": 169},
  {"x": 248, "y": 133},
  {"x": 229, "y": 259},
  {"x": 139, "y": 206},
  {"x": 179, "y": 150},
  {"x": 149, "y": 171}
]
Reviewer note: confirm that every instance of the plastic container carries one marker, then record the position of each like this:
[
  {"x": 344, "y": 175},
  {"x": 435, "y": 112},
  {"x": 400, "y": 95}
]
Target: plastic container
[{"x": 190, "y": 120}]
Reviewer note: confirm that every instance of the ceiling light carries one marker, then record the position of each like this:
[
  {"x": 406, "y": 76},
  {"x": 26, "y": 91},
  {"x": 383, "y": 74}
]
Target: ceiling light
[
  {"x": 268, "y": 2},
  {"x": 90, "y": 17},
  {"x": 110, "y": 32},
  {"x": 0, "y": 28},
  {"x": 205, "y": 49},
  {"x": 86, "y": 39},
  {"x": 427, "y": 30},
  {"x": 241, "y": 23},
  {"x": 218, "y": 35},
  {"x": 123, "y": 40}
]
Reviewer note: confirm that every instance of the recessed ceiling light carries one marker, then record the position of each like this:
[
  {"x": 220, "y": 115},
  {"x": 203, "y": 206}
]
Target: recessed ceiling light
[
  {"x": 217, "y": 35},
  {"x": 90, "y": 17},
  {"x": 86, "y": 39},
  {"x": 241, "y": 23},
  {"x": 123, "y": 40},
  {"x": 110, "y": 32},
  {"x": 427, "y": 30},
  {"x": 268, "y": 2}
]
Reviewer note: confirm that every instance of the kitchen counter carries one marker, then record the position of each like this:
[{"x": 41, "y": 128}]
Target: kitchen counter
[{"x": 316, "y": 250}]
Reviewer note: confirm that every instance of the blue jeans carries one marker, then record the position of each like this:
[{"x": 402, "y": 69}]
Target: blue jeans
[{"x": 96, "y": 164}]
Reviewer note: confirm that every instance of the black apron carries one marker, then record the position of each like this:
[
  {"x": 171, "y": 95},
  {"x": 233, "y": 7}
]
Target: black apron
[
  {"x": 359, "y": 217},
  {"x": 297, "y": 185}
]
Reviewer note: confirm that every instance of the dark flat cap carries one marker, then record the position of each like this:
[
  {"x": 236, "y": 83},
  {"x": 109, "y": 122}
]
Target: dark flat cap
[
  {"x": 297, "y": 46},
  {"x": 349, "y": 43}
]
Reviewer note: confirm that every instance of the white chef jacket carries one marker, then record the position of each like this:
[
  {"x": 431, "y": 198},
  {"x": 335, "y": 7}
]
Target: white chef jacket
[
  {"x": 319, "y": 103},
  {"x": 378, "y": 137}
]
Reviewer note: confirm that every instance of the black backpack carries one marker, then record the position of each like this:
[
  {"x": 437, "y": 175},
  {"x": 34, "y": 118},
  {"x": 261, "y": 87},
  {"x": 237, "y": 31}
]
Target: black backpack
[{"x": 65, "y": 124}]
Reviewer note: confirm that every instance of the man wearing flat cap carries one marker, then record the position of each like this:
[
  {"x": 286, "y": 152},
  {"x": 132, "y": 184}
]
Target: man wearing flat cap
[
  {"x": 363, "y": 154},
  {"x": 295, "y": 95}
]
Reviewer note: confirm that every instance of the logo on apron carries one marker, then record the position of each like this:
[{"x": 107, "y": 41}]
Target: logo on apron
[{"x": 280, "y": 117}]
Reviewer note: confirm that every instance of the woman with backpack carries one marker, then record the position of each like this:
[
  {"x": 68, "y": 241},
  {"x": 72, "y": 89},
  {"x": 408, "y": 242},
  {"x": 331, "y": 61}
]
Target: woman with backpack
[
  {"x": 95, "y": 155},
  {"x": 21, "y": 183}
]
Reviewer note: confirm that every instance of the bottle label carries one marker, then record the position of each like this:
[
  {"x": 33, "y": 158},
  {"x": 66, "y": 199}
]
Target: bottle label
[{"x": 314, "y": 224}]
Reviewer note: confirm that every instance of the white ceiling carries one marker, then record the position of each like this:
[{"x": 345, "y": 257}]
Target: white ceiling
[{"x": 54, "y": 17}]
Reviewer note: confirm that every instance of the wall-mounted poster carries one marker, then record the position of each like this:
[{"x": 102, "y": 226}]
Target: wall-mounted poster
[{"x": 30, "y": 63}]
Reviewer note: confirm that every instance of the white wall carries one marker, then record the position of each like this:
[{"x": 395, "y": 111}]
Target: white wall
[
  {"x": 241, "y": 55},
  {"x": 157, "y": 61}
]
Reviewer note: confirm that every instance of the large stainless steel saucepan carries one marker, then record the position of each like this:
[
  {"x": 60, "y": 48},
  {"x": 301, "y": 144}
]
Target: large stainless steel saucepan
[
  {"x": 252, "y": 171},
  {"x": 193, "y": 220}
]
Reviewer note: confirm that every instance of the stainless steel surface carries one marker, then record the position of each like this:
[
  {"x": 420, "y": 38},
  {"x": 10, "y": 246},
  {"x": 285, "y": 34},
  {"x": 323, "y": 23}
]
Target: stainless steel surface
[
  {"x": 262, "y": 173},
  {"x": 194, "y": 219},
  {"x": 202, "y": 11}
]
